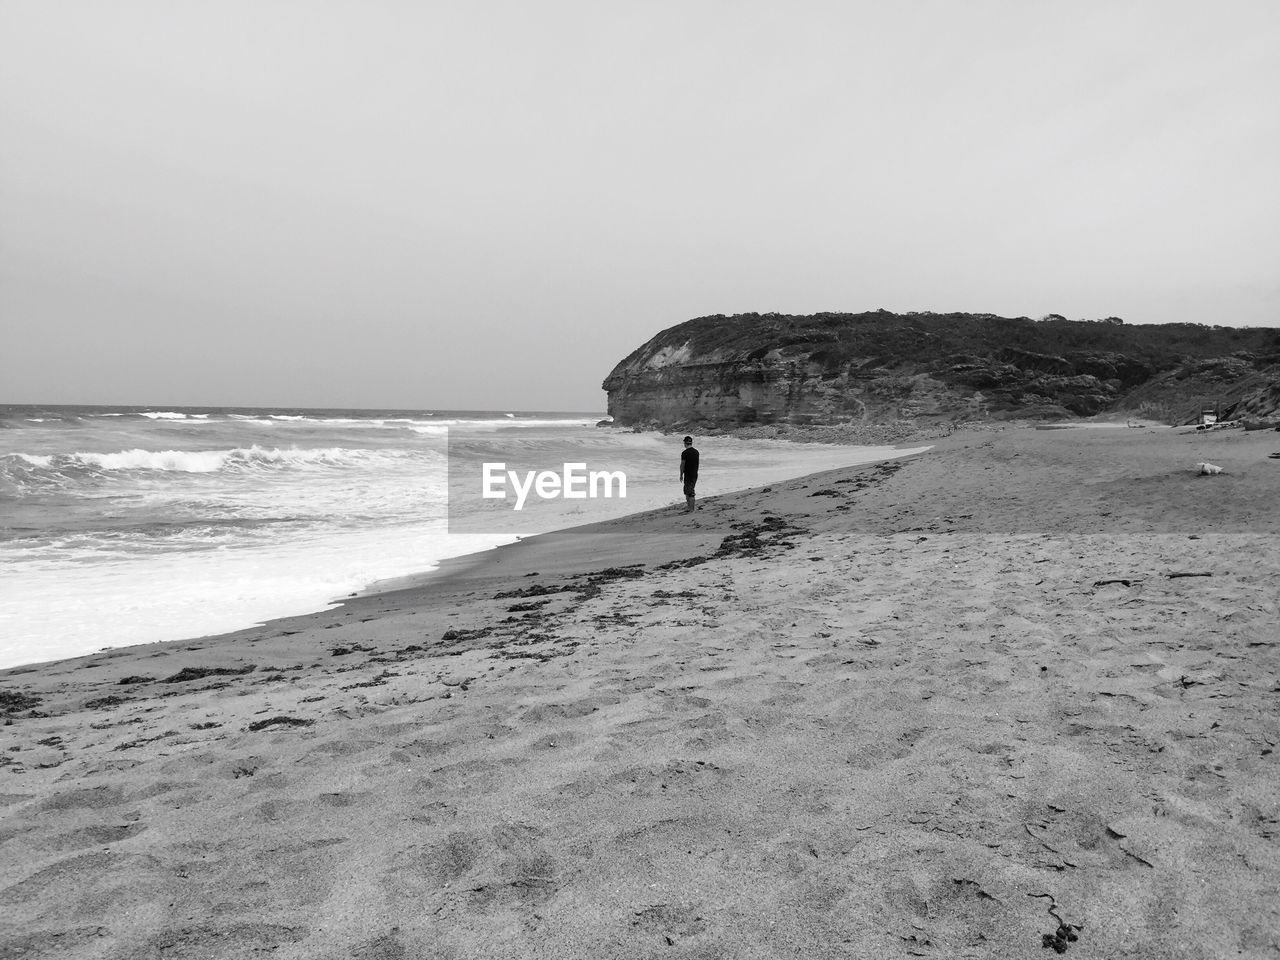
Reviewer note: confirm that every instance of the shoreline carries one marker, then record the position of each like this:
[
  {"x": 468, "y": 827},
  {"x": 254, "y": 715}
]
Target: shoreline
[
  {"x": 439, "y": 570},
  {"x": 462, "y": 564},
  {"x": 912, "y": 704}
]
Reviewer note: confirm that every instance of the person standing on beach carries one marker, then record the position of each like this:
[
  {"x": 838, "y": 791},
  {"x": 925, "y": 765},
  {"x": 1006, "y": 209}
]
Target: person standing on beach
[{"x": 689, "y": 473}]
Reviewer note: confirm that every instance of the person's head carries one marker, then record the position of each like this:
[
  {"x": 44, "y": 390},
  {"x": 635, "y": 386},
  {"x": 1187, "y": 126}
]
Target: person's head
[{"x": 688, "y": 441}]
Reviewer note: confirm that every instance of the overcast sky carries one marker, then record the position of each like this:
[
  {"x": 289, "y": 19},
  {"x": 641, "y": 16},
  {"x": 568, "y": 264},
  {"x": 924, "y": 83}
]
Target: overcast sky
[{"x": 488, "y": 204}]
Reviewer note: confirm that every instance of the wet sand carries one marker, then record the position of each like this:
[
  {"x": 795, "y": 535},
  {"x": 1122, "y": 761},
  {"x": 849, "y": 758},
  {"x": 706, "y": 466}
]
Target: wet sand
[{"x": 1012, "y": 695}]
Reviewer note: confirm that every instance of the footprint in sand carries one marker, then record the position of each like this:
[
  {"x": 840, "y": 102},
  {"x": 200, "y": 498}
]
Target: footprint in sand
[
  {"x": 93, "y": 798},
  {"x": 342, "y": 800},
  {"x": 100, "y": 835},
  {"x": 233, "y": 940},
  {"x": 60, "y": 873}
]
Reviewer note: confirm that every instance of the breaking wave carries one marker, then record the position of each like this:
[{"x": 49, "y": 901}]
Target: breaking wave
[{"x": 30, "y": 470}]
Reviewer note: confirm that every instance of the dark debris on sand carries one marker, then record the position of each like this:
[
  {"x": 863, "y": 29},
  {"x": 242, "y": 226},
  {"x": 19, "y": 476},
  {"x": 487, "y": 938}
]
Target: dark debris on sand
[
  {"x": 536, "y": 590},
  {"x": 99, "y": 703},
  {"x": 630, "y": 571},
  {"x": 457, "y": 636},
  {"x": 527, "y": 607},
  {"x": 379, "y": 681},
  {"x": 199, "y": 673},
  {"x": 281, "y": 721},
  {"x": 13, "y": 702},
  {"x": 770, "y": 532},
  {"x": 1066, "y": 934}
]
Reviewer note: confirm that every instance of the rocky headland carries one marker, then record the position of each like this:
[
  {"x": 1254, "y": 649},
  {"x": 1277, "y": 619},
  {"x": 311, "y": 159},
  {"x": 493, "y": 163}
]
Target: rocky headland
[{"x": 881, "y": 369}]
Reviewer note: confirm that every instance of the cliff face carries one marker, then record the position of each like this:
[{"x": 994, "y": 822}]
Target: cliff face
[{"x": 833, "y": 368}]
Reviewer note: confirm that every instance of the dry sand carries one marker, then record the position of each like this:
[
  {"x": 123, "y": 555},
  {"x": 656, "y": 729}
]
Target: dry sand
[{"x": 942, "y": 707}]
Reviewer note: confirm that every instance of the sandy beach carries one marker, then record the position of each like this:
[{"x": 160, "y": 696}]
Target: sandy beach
[{"x": 1011, "y": 696}]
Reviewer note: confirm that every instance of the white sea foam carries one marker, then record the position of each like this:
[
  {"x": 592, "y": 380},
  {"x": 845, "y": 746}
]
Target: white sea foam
[
  {"x": 438, "y": 427},
  {"x": 210, "y": 461},
  {"x": 471, "y": 423},
  {"x": 120, "y": 600},
  {"x": 431, "y": 423},
  {"x": 164, "y": 415},
  {"x": 184, "y": 461}
]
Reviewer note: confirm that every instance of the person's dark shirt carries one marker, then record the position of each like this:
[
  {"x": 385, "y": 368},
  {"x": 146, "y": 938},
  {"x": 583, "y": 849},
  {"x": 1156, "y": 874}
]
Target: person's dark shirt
[{"x": 689, "y": 464}]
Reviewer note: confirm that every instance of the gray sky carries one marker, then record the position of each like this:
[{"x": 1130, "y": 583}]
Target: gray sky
[{"x": 488, "y": 204}]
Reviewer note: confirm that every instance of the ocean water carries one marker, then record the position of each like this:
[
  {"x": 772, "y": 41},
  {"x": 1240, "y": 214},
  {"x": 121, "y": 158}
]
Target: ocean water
[{"x": 125, "y": 525}]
